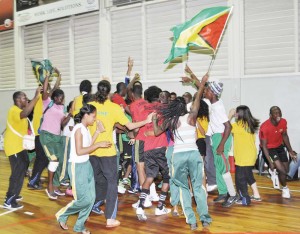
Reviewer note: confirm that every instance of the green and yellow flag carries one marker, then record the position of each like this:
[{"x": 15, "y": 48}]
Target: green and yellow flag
[
  {"x": 41, "y": 68},
  {"x": 203, "y": 31}
]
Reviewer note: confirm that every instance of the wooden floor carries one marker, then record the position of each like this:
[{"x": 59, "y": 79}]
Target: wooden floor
[{"x": 273, "y": 215}]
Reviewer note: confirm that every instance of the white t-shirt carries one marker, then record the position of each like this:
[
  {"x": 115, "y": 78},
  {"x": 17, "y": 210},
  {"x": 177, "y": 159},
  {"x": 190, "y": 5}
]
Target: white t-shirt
[
  {"x": 87, "y": 141},
  {"x": 217, "y": 118}
]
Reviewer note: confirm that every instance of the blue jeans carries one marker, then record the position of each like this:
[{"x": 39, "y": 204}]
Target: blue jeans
[{"x": 294, "y": 167}]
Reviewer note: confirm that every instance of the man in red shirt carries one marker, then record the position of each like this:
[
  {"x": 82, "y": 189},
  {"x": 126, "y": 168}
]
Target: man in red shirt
[
  {"x": 155, "y": 159},
  {"x": 273, "y": 137}
]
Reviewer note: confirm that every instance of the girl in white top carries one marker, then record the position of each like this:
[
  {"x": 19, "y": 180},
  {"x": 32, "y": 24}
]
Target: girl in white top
[
  {"x": 186, "y": 160},
  {"x": 80, "y": 169}
]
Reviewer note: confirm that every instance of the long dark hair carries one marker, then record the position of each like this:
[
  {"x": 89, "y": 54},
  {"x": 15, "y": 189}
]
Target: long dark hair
[
  {"x": 244, "y": 116},
  {"x": 203, "y": 110},
  {"x": 170, "y": 114},
  {"x": 103, "y": 88},
  {"x": 86, "y": 109}
]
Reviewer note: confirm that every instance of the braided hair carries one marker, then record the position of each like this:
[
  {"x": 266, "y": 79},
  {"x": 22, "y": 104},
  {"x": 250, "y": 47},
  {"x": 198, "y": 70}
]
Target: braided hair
[{"x": 170, "y": 114}]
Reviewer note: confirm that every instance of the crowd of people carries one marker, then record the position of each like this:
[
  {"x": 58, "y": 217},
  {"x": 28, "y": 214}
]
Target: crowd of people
[{"x": 104, "y": 141}]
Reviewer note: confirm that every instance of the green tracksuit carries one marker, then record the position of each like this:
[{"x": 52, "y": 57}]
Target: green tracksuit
[
  {"x": 221, "y": 161},
  {"x": 83, "y": 187},
  {"x": 184, "y": 164}
]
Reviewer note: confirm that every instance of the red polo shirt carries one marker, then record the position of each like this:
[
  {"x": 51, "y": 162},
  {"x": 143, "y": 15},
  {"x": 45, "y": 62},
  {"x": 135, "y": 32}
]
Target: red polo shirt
[{"x": 273, "y": 134}]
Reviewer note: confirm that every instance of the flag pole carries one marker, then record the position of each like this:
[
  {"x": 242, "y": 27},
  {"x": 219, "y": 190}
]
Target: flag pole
[
  {"x": 218, "y": 44},
  {"x": 211, "y": 63}
]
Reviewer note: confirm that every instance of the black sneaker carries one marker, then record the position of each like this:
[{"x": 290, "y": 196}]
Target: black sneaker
[
  {"x": 34, "y": 186},
  {"x": 230, "y": 201},
  {"x": 221, "y": 198},
  {"x": 13, "y": 205}
]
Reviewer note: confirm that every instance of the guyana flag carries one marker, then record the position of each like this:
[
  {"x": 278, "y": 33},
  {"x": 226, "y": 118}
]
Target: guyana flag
[
  {"x": 41, "y": 68},
  {"x": 203, "y": 32}
]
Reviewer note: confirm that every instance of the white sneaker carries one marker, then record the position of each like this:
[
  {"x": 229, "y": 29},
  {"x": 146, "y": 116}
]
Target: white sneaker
[
  {"x": 286, "y": 193},
  {"x": 154, "y": 197},
  {"x": 211, "y": 188},
  {"x": 162, "y": 211},
  {"x": 274, "y": 178},
  {"x": 121, "y": 189},
  {"x": 147, "y": 204},
  {"x": 140, "y": 213}
]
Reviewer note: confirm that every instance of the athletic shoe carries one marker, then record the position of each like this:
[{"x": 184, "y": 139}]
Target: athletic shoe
[
  {"x": 255, "y": 198},
  {"x": 154, "y": 197},
  {"x": 97, "y": 210},
  {"x": 211, "y": 188},
  {"x": 52, "y": 196},
  {"x": 162, "y": 211},
  {"x": 59, "y": 193},
  {"x": 34, "y": 186},
  {"x": 133, "y": 191},
  {"x": 274, "y": 178},
  {"x": 13, "y": 205},
  {"x": 239, "y": 201},
  {"x": 126, "y": 181},
  {"x": 221, "y": 198},
  {"x": 230, "y": 201},
  {"x": 140, "y": 213},
  {"x": 121, "y": 189},
  {"x": 193, "y": 226},
  {"x": 286, "y": 192}
]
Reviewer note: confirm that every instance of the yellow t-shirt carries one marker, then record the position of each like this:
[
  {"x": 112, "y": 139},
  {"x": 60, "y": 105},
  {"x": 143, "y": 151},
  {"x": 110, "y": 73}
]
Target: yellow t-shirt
[
  {"x": 108, "y": 113},
  {"x": 37, "y": 115},
  {"x": 244, "y": 148},
  {"x": 204, "y": 124},
  {"x": 13, "y": 143},
  {"x": 77, "y": 104}
]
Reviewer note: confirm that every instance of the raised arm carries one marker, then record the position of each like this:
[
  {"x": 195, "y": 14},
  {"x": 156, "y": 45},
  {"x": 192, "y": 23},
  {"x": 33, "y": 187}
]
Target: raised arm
[
  {"x": 57, "y": 82},
  {"x": 192, "y": 118},
  {"x": 28, "y": 109}
]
